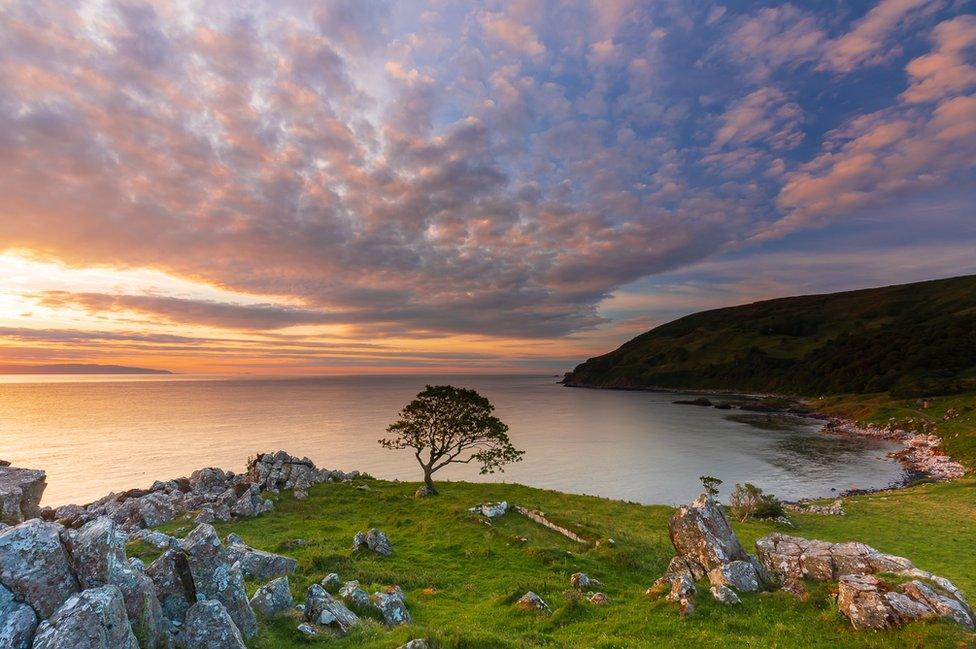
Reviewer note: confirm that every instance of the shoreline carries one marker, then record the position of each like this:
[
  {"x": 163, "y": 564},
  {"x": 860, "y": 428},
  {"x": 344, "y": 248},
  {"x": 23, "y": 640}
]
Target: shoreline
[{"x": 921, "y": 458}]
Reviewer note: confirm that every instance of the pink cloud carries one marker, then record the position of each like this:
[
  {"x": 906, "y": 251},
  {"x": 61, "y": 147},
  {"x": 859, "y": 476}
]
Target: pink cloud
[{"x": 945, "y": 70}]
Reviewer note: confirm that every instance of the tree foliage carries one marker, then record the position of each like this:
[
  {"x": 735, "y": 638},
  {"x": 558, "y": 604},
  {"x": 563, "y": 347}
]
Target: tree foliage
[{"x": 445, "y": 425}]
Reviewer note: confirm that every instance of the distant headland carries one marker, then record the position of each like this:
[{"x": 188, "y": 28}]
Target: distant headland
[{"x": 77, "y": 368}]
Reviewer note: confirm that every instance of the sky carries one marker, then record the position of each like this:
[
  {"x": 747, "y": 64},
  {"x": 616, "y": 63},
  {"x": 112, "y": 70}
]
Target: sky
[{"x": 470, "y": 186}]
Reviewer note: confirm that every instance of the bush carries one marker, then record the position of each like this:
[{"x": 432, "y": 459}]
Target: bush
[{"x": 748, "y": 501}]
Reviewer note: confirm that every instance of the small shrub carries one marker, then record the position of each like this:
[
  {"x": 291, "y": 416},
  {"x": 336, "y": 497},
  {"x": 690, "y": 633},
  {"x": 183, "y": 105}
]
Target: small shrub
[
  {"x": 710, "y": 483},
  {"x": 748, "y": 501}
]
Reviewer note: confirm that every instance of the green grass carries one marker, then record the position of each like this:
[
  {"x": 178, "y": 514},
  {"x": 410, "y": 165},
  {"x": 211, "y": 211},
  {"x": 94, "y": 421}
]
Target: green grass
[{"x": 462, "y": 576}]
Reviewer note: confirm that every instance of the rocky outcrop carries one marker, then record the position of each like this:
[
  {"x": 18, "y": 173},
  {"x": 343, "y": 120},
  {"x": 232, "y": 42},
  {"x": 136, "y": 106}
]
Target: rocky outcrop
[
  {"x": 92, "y": 619},
  {"x": 706, "y": 545},
  {"x": 273, "y": 598},
  {"x": 209, "y": 626},
  {"x": 20, "y": 493},
  {"x": 540, "y": 518},
  {"x": 214, "y": 577},
  {"x": 373, "y": 540},
  {"x": 490, "y": 510},
  {"x": 866, "y": 600},
  {"x": 276, "y": 471}
]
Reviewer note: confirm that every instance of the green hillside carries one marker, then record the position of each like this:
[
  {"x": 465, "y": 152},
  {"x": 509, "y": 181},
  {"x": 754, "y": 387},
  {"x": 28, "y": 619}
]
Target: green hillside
[{"x": 910, "y": 340}]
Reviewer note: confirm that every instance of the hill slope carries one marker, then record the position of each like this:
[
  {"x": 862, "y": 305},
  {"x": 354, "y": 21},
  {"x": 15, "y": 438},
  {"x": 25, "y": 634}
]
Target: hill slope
[{"x": 911, "y": 339}]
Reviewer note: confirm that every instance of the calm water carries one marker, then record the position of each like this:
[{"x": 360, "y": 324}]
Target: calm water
[{"x": 95, "y": 435}]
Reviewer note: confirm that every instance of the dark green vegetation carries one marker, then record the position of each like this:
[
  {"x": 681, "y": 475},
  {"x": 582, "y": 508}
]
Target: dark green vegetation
[
  {"x": 909, "y": 340},
  {"x": 462, "y": 576}
]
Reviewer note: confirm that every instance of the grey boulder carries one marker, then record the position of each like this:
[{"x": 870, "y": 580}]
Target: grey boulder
[
  {"x": 258, "y": 564},
  {"x": 208, "y": 625},
  {"x": 215, "y": 578},
  {"x": 92, "y": 619},
  {"x": 273, "y": 598},
  {"x": 17, "y": 622},
  {"x": 35, "y": 566},
  {"x": 20, "y": 494},
  {"x": 323, "y": 609}
]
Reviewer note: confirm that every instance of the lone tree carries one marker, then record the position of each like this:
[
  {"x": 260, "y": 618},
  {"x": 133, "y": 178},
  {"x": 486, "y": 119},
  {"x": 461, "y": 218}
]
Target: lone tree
[{"x": 446, "y": 425}]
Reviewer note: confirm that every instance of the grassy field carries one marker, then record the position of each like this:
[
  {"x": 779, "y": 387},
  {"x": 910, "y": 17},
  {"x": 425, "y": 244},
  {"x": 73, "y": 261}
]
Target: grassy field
[{"x": 462, "y": 576}]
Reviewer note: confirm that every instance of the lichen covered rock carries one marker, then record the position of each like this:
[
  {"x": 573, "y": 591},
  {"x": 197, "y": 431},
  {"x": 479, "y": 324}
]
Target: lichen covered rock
[{"x": 92, "y": 619}]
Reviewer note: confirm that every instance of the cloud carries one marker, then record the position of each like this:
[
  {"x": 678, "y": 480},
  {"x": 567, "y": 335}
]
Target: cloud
[{"x": 945, "y": 70}]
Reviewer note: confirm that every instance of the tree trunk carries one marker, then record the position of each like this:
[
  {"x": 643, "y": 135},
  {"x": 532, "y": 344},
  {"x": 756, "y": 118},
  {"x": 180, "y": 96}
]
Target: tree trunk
[{"x": 429, "y": 481}]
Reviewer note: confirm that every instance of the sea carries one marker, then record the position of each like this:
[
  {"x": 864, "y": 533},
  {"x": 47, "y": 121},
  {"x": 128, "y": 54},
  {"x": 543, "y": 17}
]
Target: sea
[{"x": 97, "y": 434}]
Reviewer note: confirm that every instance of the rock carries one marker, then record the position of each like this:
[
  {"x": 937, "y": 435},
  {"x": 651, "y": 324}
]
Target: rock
[
  {"x": 861, "y": 600},
  {"x": 273, "y": 598},
  {"x": 740, "y": 575},
  {"x": 276, "y": 471},
  {"x": 686, "y": 607},
  {"x": 323, "y": 609},
  {"x": 351, "y": 593},
  {"x": 156, "y": 509},
  {"x": 98, "y": 558},
  {"x": 215, "y": 578},
  {"x": 532, "y": 602},
  {"x": 599, "y": 599},
  {"x": 579, "y": 580},
  {"x": 725, "y": 595},
  {"x": 35, "y": 567},
  {"x": 209, "y": 626},
  {"x": 20, "y": 494},
  {"x": 423, "y": 491},
  {"x": 331, "y": 580},
  {"x": 156, "y": 539},
  {"x": 374, "y": 540},
  {"x": 417, "y": 643},
  {"x": 908, "y": 608},
  {"x": 210, "y": 480},
  {"x": 944, "y": 605},
  {"x": 682, "y": 588},
  {"x": 392, "y": 606},
  {"x": 307, "y": 630},
  {"x": 17, "y": 622},
  {"x": 69, "y": 515},
  {"x": 491, "y": 510},
  {"x": 92, "y": 619},
  {"x": 260, "y": 565},
  {"x": 701, "y": 533},
  {"x": 171, "y": 578}
]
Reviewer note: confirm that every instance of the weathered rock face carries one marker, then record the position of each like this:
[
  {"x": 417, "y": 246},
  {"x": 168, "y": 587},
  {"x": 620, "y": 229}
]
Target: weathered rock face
[
  {"x": 214, "y": 578},
  {"x": 20, "y": 494},
  {"x": 34, "y": 565},
  {"x": 351, "y": 593},
  {"x": 273, "y": 598},
  {"x": 209, "y": 626},
  {"x": 171, "y": 578},
  {"x": 257, "y": 564},
  {"x": 324, "y": 609},
  {"x": 702, "y": 533},
  {"x": 17, "y": 622},
  {"x": 93, "y": 619},
  {"x": 276, "y": 471}
]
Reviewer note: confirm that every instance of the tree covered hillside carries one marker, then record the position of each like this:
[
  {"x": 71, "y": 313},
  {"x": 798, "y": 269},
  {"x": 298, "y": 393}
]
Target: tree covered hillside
[{"x": 911, "y": 339}]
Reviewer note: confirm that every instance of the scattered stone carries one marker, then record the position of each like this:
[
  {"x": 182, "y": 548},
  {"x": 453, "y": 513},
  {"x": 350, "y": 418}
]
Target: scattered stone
[
  {"x": 331, "y": 580},
  {"x": 374, "y": 540},
  {"x": 423, "y": 491},
  {"x": 599, "y": 599},
  {"x": 579, "y": 580},
  {"x": 835, "y": 508},
  {"x": 92, "y": 619},
  {"x": 417, "y": 643},
  {"x": 725, "y": 595},
  {"x": 532, "y": 602},
  {"x": 351, "y": 593},
  {"x": 210, "y": 626},
  {"x": 307, "y": 630},
  {"x": 35, "y": 566},
  {"x": 20, "y": 494},
  {"x": 323, "y": 609},
  {"x": 273, "y": 598},
  {"x": 215, "y": 578},
  {"x": 392, "y": 606},
  {"x": 491, "y": 510},
  {"x": 17, "y": 622}
]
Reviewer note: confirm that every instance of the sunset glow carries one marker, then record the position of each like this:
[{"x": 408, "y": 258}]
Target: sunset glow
[{"x": 461, "y": 187}]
